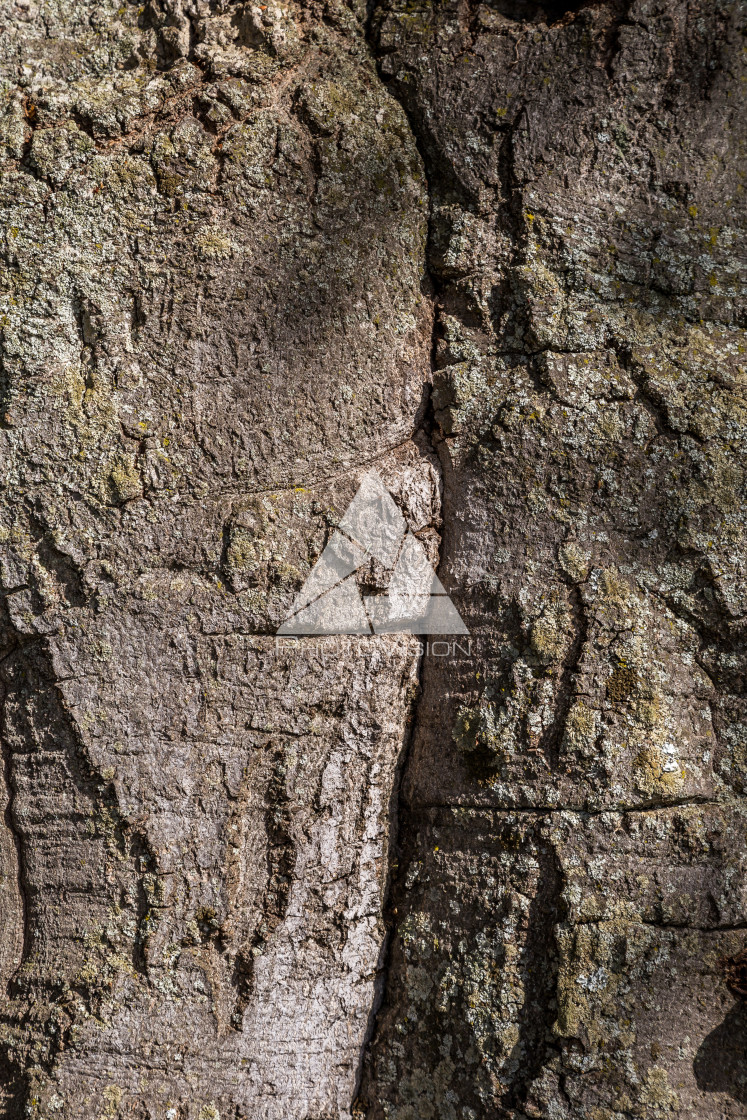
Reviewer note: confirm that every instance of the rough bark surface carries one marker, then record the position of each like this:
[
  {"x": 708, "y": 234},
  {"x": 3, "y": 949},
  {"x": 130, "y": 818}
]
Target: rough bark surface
[{"x": 496, "y": 251}]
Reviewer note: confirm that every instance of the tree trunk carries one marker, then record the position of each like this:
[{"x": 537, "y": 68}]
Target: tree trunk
[{"x": 491, "y": 257}]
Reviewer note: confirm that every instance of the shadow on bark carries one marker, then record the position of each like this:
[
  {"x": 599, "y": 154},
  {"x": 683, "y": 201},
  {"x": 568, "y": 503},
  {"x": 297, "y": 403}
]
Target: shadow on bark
[{"x": 720, "y": 1064}]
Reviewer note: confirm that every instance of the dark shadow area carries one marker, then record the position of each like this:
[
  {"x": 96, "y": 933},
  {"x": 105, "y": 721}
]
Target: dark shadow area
[
  {"x": 720, "y": 1064},
  {"x": 12, "y": 1091},
  {"x": 539, "y": 969},
  {"x": 544, "y": 11}
]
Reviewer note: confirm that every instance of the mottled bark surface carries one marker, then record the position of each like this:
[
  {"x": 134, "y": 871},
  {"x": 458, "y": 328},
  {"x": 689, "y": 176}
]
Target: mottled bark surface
[{"x": 496, "y": 251}]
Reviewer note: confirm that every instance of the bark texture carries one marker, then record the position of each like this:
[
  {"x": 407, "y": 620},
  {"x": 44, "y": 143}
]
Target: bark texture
[{"x": 496, "y": 251}]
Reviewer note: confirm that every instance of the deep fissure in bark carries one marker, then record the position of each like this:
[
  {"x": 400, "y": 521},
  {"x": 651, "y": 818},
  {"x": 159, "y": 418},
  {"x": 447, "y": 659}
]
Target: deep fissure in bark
[
  {"x": 539, "y": 954},
  {"x": 539, "y": 969}
]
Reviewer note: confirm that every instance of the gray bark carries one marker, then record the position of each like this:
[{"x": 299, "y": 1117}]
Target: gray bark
[{"x": 496, "y": 252}]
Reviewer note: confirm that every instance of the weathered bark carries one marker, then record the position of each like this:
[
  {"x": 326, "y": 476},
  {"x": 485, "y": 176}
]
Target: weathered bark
[{"x": 497, "y": 252}]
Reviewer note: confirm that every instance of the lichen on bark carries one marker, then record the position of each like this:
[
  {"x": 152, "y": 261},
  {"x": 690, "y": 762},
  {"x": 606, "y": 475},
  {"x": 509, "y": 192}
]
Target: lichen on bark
[{"x": 496, "y": 251}]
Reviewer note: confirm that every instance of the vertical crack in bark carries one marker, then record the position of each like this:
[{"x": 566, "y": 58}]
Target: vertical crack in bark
[
  {"x": 539, "y": 968},
  {"x": 397, "y": 815},
  {"x": 398, "y": 832},
  {"x": 426, "y": 423},
  {"x": 281, "y": 862},
  {"x": 539, "y": 958},
  {"x": 552, "y": 738}
]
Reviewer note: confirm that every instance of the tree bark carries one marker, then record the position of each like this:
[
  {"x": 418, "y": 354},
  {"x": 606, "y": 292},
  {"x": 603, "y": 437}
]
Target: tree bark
[{"x": 496, "y": 253}]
